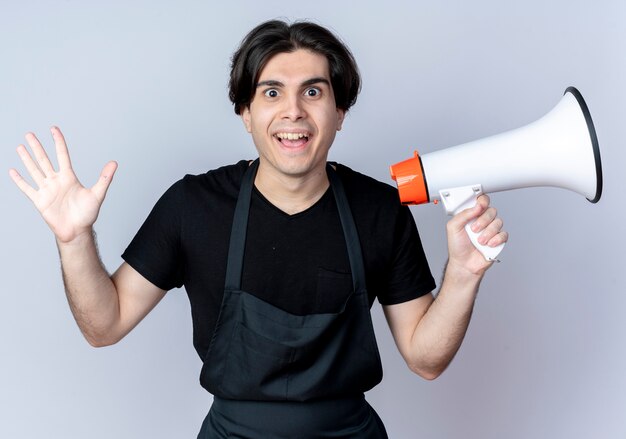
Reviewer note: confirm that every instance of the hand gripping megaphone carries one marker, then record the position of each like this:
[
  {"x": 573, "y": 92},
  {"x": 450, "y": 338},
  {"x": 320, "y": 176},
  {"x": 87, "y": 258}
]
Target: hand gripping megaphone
[{"x": 559, "y": 150}]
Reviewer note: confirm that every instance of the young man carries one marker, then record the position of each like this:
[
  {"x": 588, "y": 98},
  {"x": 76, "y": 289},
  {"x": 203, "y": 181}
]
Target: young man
[{"x": 281, "y": 257}]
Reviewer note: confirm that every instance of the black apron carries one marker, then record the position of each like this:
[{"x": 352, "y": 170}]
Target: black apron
[{"x": 274, "y": 374}]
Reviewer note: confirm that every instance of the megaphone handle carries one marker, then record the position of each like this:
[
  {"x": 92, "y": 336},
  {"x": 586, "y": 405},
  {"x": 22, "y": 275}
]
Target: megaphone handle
[
  {"x": 457, "y": 199},
  {"x": 490, "y": 253}
]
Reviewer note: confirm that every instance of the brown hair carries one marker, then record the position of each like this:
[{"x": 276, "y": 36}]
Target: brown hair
[{"x": 273, "y": 37}]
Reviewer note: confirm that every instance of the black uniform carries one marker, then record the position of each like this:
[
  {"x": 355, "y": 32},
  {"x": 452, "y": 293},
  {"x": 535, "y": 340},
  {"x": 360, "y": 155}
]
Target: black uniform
[{"x": 294, "y": 338}]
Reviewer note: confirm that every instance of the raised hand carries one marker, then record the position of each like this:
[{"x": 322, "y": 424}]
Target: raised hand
[{"x": 69, "y": 208}]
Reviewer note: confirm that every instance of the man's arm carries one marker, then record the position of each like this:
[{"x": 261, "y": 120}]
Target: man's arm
[
  {"x": 429, "y": 331},
  {"x": 105, "y": 307}
]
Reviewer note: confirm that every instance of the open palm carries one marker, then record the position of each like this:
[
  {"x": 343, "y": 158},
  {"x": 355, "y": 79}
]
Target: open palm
[{"x": 68, "y": 207}]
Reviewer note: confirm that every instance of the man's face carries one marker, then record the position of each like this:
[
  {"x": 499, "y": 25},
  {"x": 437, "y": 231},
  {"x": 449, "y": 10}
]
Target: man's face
[{"x": 292, "y": 117}]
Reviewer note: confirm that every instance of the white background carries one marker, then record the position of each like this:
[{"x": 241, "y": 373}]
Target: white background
[{"x": 144, "y": 83}]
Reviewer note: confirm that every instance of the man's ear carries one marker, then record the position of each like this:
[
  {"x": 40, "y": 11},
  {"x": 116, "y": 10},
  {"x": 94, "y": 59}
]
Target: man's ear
[
  {"x": 245, "y": 117},
  {"x": 341, "y": 115}
]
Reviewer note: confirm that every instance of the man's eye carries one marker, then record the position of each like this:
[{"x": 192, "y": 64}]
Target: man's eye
[
  {"x": 271, "y": 93},
  {"x": 312, "y": 92}
]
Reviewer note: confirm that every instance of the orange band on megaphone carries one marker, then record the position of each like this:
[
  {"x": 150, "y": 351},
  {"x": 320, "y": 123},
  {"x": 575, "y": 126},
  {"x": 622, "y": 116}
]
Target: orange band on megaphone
[{"x": 409, "y": 175}]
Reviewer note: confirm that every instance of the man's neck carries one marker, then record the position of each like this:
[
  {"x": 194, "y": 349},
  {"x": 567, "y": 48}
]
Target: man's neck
[{"x": 292, "y": 194}]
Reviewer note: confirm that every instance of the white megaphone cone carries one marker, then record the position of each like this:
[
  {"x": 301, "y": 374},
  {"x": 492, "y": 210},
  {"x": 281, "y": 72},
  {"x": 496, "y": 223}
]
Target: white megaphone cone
[{"x": 559, "y": 150}]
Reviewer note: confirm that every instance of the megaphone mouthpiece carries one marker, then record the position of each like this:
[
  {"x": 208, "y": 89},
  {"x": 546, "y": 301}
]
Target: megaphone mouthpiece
[{"x": 409, "y": 175}]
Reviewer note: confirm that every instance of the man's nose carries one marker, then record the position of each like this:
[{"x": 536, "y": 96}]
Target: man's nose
[{"x": 294, "y": 108}]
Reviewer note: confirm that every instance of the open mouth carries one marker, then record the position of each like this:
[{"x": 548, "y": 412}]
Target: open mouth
[{"x": 293, "y": 140}]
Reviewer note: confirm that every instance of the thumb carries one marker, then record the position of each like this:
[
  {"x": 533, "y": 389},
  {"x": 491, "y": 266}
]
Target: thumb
[
  {"x": 458, "y": 221},
  {"x": 106, "y": 176}
]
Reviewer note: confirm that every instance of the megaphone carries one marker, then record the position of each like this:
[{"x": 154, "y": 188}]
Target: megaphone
[{"x": 558, "y": 150}]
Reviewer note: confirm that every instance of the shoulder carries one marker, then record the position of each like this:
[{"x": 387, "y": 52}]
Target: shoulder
[
  {"x": 224, "y": 177},
  {"x": 224, "y": 180},
  {"x": 362, "y": 188},
  {"x": 219, "y": 185}
]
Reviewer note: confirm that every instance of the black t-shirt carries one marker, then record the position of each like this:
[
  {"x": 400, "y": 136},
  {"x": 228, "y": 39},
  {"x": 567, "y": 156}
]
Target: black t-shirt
[{"x": 298, "y": 263}]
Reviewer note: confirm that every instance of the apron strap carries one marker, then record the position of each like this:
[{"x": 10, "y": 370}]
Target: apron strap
[
  {"x": 234, "y": 268},
  {"x": 349, "y": 230},
  {"x": 237, "y": 245}
]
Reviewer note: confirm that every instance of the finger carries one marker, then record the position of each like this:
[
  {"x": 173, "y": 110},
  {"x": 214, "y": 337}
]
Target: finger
[
  {"x": 30, "y": 165},
  {"x": 483, "y": 200},
  {"x": 458, "y": 221},
  {"x": 22, "y": 184},
  {"x": 106, "y": 176},
  {"x": 40, "y": 154},
  {"x": 63, "y": 156},
  {"x": 498, "y": 239},
  {"x": 491, "y": 230},
  {"x": 484, "y": 219}
]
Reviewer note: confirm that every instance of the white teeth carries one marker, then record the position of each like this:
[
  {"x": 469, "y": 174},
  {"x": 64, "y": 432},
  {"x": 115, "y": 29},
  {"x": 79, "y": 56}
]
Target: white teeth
[{"x": 291, "y": 136}]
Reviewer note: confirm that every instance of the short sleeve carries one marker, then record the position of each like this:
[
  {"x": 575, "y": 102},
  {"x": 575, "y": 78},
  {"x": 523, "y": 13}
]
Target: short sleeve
[
  {"x": 409, "y": 276},
  {"x": 155, "y": 251}
]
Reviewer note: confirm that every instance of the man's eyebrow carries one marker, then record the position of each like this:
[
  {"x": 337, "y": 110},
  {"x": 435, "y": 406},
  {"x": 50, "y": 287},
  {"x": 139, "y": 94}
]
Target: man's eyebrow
[
  {"x": 274, "y": 83},
  {"x": 270, "y": 83},
  {"x": 315, "y": 81}
]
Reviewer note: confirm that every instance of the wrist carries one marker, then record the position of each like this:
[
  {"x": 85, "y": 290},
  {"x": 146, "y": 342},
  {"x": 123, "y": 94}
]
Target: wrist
[
  {"x": 459, "y": 274},
  {"x": 81, "y": 238}
]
